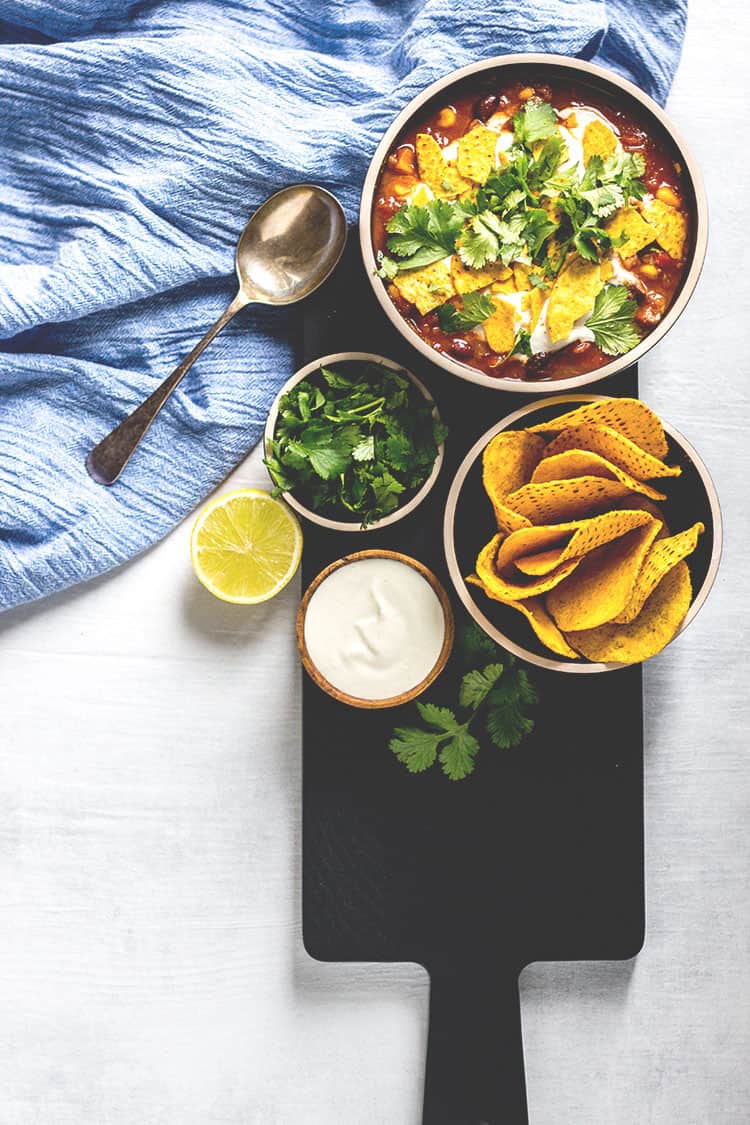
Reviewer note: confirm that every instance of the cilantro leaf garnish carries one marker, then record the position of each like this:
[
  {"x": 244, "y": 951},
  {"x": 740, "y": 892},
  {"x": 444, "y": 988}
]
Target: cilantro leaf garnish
[
  {"x": 546, "y": 163},
  {"x": 491, "y": 239},
  {"x": 421, "y": 235},
  {"x": 522, "y": 343},
  {"x": 538, "y": 226},
  {"x": 353, "y": 441},
  {"x": 611, "y": 320},
  {"x": 604, "y": 200},
  {"x": 476, "y": 308},
  {"x": 535, "y": 122},
  {"x": 387, "y": 267},
  {"x": 480, "y": 244},
  {"x": 501, "y": 692}
]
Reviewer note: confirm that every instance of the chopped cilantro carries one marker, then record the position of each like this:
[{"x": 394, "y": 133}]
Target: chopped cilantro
[
  {"x": 476, "y": 308},
  {"x": 611, "y": 320},
  {"x": 491, "y": 239},
  {"x": 546, "y": 163},
  {"x": 603, "y": 200},
  {"x": 353, "y": 442},
  {"x": 535, "y": 122}
]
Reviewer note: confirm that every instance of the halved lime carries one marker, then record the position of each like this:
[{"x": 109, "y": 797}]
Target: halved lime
[{"x": 245, "y": 546}]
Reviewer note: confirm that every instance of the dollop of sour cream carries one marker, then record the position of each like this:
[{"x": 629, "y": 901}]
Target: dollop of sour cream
[{"x": 374, "y": 628}]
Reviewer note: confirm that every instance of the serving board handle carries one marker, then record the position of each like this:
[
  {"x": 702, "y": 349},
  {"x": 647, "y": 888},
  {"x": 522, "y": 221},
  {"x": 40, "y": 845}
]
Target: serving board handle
[{"x": 475, "y": 1069}]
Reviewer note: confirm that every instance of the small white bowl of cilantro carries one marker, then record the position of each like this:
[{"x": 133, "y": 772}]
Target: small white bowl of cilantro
[{"x": 354, "y": 442}]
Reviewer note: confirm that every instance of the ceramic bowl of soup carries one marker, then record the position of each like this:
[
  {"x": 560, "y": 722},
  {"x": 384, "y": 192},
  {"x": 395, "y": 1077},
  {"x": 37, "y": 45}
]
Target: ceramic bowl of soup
[{"x": 533, "y": 223}]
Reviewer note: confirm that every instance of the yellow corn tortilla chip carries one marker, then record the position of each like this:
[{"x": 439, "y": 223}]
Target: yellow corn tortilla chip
[
  {"x": 506, "y": 285},
  {"x": 653, "y": 628},
  {"x": 541, "y": 563},
  {"x": 580, "y": 463},
  {"x": 615, "y": 447},
  {"x": 629, "y": 416},
  {"x": 570, "y": 540},
  {"x": 476, "y": 153},
  {"x": 443, "y": 178},
  {"x": 426, "y": 288},
  {"x": 663, "y": 555},
  {"x": 556, "y": 501},
  {"x": 638, "y": 232},
  {"x": 598, "y": 140},
  {"x": 606, "y": 269},
  {"x": 603, "y": 583},
  {"x": 670, "y": 226},
  {"x": 537, "y": 297},
  {"x": 544, "y": 627},
  {"x": 640, "y": 503},
  {"x": 572, "y": 295},
  {"x": 508, "y": 461},
  {"x": 467, "y": 280},
  {"x": 540, "y": 621},
  {"x": 521, "y": 276},
  {"x": 503, "y": 589},
  {"x": 500, "y": 328}
]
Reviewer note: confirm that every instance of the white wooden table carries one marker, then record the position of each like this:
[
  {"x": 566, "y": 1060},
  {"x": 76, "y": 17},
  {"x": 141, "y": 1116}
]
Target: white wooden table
[{"x": 151, "y": 967}]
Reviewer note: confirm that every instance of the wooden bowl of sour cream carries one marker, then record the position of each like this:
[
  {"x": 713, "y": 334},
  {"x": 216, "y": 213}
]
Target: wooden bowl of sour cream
[{"x": 375, "y": 629}]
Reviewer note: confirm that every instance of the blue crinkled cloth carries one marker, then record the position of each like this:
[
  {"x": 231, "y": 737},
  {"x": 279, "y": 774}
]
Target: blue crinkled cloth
[{"x": 136, "y": 140}]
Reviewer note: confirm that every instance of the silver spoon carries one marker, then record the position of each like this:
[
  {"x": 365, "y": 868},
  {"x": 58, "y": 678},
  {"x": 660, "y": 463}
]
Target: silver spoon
[{"x": 288, "y": 248}]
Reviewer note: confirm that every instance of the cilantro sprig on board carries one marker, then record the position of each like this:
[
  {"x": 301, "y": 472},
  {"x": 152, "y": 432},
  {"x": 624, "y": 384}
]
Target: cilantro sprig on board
[
  {"x": 356, "y": 442},
  {"x": 497, "y": 693}
]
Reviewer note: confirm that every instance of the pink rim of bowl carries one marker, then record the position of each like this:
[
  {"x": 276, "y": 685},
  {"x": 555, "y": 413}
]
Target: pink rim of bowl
[
  {"x": 331, "y": 361},
  {"x": 612, "y": 84},
  {"x": 550, "y": 662}
]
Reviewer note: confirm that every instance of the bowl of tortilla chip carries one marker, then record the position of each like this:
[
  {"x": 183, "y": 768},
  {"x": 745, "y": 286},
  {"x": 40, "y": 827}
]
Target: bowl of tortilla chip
[
  {"x": 533, "y": 222},
  {"x": 582, "y": 533}
]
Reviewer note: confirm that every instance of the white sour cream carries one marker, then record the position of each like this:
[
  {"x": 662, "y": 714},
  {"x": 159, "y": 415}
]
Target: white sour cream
[{"x": 374, "y": 628}]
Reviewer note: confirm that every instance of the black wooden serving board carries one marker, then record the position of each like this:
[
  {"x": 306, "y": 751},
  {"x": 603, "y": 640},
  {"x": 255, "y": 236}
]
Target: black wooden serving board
[{"x": 538, "y": 856}]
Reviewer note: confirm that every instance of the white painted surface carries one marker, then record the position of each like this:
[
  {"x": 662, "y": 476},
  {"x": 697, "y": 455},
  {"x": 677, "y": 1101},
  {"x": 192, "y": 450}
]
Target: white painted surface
[{"x": 151, "y": 967}]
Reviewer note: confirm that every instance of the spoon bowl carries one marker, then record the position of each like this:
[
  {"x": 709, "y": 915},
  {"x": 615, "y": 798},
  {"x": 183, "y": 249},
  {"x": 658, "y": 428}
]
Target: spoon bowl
[
  {"x": 288, "y": 248},
  {"x": 290, "y": 245}
]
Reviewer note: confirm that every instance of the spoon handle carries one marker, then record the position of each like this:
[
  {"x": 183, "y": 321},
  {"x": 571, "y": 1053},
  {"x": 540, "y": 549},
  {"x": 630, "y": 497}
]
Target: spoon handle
[{"x": 106, "y": 460}]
